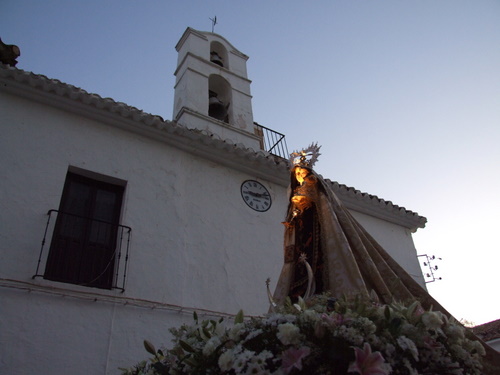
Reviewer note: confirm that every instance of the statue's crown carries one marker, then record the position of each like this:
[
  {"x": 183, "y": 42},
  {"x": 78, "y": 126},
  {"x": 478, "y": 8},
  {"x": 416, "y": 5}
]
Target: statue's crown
[{"x": 305, "y": 158}]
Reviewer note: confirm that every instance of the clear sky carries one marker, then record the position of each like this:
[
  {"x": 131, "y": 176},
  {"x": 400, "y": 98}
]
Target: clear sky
[{"x": 403, "y": 96}]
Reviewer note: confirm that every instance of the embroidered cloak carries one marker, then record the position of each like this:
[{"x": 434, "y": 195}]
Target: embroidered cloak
[{"x": 344, "y": 257}]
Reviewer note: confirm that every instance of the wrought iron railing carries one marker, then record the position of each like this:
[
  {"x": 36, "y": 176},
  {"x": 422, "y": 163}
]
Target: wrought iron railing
[
  {"x": 99, "y": 231},
  {"x": 429, "y": 268},
  {"x": 272, "y": 141}
]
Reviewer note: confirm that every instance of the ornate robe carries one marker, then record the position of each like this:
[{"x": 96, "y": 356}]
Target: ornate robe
[{"x": 345, "y": 259}]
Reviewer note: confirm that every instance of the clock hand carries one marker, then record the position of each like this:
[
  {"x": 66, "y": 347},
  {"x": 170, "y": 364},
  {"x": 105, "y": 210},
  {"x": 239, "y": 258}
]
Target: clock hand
[
  {"x": 256, "y": 194},
  {"x": 252, "y": 193}
]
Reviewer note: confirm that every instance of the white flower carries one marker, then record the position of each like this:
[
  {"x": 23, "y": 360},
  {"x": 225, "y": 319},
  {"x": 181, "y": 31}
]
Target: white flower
[
  {"x": 220, "y": 329},
  {"x": 455, "y": 332},
  {"x": 241, "y": 360},
  {"x": 253, "y": 334},
  {"x": 236, "y": 331},
  {"x": 211, "y": 345},
  {"x": 238, "y": 364},
  {"x": 261, "y": 357},
  {"x": 367, "y": 325},
  {"x": 351, "y": 334},
  {"x": 474, "y": 346},
  {"x": 408, "y": 345},
  {"x": 390, "y": 349},
  {"x": 253, "y": 368},
  {"x": 479, "y": 347},
  {"x": 310, "y": 316},
  {"x": 432, "y": 319},
  {"x": 408, "y": 329},
  {"x": 288, "y": 333},
  {"x": 409, "y": 367},
  {"x": 275, "y": 319},
  {"x": 226, "y": 360}
]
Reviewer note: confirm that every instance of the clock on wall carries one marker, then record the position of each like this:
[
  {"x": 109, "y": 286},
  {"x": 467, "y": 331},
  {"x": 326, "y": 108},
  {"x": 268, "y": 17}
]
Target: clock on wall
[{"x": 255, "y": 195}]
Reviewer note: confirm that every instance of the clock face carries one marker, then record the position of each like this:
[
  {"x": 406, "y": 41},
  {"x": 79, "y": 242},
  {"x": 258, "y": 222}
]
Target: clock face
[{"x": 256, "y": 195}]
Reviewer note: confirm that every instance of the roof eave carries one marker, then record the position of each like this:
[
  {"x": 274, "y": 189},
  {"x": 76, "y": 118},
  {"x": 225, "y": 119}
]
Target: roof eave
[
  {"x": 374, "y": 206},
  {"x": 69, "y": 98},
  {"x": 260, "y": 164}
]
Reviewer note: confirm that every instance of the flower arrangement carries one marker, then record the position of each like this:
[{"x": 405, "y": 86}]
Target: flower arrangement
[{"x": 323, "y": 336}]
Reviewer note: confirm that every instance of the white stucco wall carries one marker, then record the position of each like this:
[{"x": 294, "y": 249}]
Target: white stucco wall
[
  {"x": 194, "y": 241},
  {"x": 183, "y": 210},
  {"x": 495, "y": 344},
  {"x": 194, "y": 244},
  {"x": 47, "y": 334}
]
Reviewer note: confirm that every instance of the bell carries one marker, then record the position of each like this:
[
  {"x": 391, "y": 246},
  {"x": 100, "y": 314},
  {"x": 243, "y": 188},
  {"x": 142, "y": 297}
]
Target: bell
[
  {"x": 216, "y": 109},
  {"x": 216, "y": 59}
]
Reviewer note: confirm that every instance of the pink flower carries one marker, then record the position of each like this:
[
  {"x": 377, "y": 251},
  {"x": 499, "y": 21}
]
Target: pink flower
[
  {"x": 432, "y": 344},
  {"x": 368, "y": 363},
  {"x": 334, "y": 319},
  {"x": 293, "y": 358}
]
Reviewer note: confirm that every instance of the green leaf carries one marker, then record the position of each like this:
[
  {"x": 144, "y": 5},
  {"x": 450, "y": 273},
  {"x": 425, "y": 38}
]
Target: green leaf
[
  {"x": 387, "y": 312},
  {"x": 184, "y": 345},
  {"x": 239, "y": 317},
  {"x": 150, "y": 348},
  {"x": 411, "y": 310},
  {"x": 191, "y": 362},
  {"x": 206, "y": 333}
]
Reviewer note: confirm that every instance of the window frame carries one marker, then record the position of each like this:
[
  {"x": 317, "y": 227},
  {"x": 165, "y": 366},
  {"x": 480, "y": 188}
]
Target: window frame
[{"x": 77, "y": 254}]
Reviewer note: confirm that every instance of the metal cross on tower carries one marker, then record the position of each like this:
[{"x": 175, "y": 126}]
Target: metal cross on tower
[{"x": 214, "y": 22}]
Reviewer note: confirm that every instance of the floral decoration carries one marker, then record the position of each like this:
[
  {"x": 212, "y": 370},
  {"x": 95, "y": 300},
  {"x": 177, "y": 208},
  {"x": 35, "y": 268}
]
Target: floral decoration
[{"x": 323, "y": 336}]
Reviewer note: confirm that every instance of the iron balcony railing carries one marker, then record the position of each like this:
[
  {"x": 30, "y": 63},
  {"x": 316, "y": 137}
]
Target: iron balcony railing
[
  {"x": 272, "y": 141},
  {"x": 111, "y": 242}
]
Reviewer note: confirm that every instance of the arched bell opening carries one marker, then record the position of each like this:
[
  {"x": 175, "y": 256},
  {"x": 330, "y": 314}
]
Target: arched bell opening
[
  {"x": 218, "y": 54},
  {"x": 219, "y": 98}
]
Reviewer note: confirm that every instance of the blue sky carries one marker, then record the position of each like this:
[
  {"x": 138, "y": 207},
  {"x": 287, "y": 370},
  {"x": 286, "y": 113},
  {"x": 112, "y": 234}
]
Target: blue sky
[{"x": 403, "y": 96}]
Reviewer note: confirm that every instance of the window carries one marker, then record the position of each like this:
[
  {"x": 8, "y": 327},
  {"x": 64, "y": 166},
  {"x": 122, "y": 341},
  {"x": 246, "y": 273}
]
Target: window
[{"x": 84, "y": 242}]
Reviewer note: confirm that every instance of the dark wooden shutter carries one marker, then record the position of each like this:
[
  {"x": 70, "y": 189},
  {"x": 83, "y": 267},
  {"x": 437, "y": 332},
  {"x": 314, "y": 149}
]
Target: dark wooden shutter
[{"x": 83, "y": 245}]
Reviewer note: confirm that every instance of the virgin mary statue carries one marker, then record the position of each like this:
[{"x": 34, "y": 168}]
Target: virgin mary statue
[{"x": 327, "y": 250}]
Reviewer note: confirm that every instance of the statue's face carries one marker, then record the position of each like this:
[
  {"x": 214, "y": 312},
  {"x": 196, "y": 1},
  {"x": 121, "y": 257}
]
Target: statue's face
[{"x": 301, "y": 174}]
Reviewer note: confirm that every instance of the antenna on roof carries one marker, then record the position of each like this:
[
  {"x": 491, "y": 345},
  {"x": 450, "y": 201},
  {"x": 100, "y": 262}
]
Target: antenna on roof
[{"x": 214, "y": 22}]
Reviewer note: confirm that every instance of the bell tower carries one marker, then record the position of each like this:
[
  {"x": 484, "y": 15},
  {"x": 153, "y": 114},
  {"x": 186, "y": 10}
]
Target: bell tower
[{"x": 212, "y": 91}]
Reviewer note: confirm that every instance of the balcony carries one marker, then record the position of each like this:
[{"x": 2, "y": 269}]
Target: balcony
[
  {"x": 272, "y": 141},
  {"x": 84, "y": 251}
]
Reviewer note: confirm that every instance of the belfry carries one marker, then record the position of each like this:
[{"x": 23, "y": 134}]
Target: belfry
[{"x": 212, "y": 90}]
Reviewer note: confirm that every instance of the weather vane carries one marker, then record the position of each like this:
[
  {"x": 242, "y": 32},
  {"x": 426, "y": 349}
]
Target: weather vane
[{"x": 214, "y": 22}]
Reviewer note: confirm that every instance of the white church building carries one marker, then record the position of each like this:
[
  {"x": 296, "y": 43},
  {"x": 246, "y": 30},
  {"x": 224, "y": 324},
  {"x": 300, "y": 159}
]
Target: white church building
[{"x": 116, "y": 224}]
